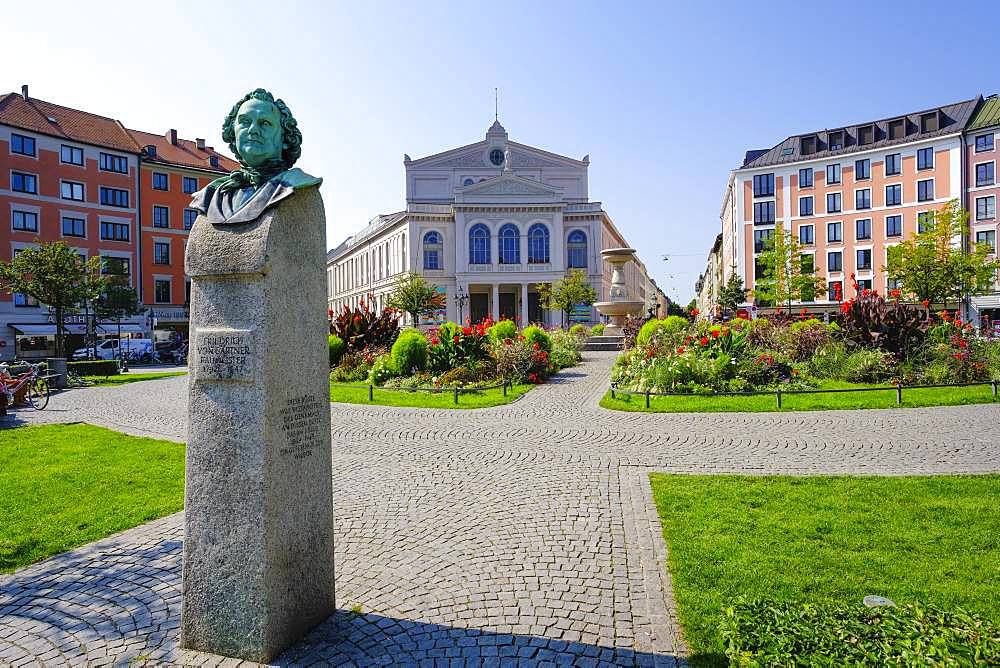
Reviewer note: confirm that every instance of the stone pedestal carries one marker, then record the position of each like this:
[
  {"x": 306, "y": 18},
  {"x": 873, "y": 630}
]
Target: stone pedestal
[{"x": 258, "y": 499}]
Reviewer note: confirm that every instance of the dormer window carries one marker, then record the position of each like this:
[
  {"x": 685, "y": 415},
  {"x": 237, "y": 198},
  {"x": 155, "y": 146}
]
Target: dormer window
[
  {"x": 929, "y": 122},
  {"x": 866, "y": 135},
  {"x": 213, "y": 160},
  {"x": 808, "y": 145},
  {"x": 836, "y": 140},
  {"x": 151, "y": 151},
  {"x": 897, "y": 129}
]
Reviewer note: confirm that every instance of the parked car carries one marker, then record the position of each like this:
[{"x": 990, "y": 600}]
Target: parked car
[{"x": 108, "y": 349}]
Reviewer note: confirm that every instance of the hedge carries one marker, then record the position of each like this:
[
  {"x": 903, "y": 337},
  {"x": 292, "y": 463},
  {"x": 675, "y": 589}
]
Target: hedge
[
  {"x": 786, "y": 633},
  {"x": 93, "y": 368}
]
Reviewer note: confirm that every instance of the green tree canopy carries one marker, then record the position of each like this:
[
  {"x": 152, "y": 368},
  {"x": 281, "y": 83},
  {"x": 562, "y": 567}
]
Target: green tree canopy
[
  {"x": 416, "y": 296},
  {"x": 932, "y": 266},
  {"x": 786, "y": 272},
  {"x": 55, "y": 275},
  {"x": 566, "y": 293},
  {"x": 732, "y": 293}
]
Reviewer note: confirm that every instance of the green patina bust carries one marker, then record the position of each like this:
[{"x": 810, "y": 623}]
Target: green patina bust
[{"x": 264, "y": 136}]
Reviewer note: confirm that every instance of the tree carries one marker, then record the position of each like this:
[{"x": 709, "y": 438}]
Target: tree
[
  {"x": 413, "y": 295},
  {"x": 117, "y": 302},
  {"x": 732, "y": 293},
  {"x": 786, "y": 272},
  {"x": 931, "y": 267},
  {"x": 567, "y": 293},
  {"x": 55, "y": 275}
]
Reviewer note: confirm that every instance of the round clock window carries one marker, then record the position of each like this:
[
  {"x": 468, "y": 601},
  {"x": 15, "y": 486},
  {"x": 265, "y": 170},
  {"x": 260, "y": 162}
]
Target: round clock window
[{"x": 496, "y": 157}]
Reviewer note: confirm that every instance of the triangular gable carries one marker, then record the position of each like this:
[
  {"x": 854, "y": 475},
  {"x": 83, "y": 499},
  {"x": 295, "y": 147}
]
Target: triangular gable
[{"x": 508, "y": 187}]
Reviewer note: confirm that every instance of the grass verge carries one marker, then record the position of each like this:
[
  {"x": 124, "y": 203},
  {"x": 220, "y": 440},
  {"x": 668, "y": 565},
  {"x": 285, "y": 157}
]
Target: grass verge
[
  {"x": 912, "y": 398},
  {"x": 930, "y": 539},
  {"x": 352, "y": 394},
  {"x": 125, "y": 378},
  {"x": 67, "y": 485}
]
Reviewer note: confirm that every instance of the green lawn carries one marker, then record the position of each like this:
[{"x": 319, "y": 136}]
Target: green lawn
[
  {"x": 352, "y": 394},
  {"x": 933, "y": 539},
  {"x": 102, "y": 381},
  {"x": 67, "y": 485},
  {"x": 912, "y": 398}
]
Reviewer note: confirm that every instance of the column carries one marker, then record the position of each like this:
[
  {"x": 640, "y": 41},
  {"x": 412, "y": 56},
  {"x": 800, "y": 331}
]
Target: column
[
  {"x": 496, "y": 302},
  {"x": 524, "y": 304}
]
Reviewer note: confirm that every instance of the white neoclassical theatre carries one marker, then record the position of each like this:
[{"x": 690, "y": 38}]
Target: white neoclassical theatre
[{"x": 490, "y": 220}]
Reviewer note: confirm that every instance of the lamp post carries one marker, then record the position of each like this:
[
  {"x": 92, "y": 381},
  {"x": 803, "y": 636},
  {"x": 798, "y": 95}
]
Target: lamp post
[
  {"x": 460, "y": 299},
  {"x": 654, "y": 308}
]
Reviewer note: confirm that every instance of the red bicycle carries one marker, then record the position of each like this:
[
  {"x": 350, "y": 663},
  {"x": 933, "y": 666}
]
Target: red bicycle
[{"x": 28, "y": 386}]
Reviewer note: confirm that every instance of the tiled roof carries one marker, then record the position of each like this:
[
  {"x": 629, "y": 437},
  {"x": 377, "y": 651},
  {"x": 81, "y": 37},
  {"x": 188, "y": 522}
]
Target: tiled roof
[
  {"x": 58, "y": 121},
  {"x": 952, "y": 118},
  {"x": 185, "y": 153},
  {"x": 987, "y": 115}
]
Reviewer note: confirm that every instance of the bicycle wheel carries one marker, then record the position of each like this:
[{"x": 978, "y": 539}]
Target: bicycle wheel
[{"x": 38, "y": 394}]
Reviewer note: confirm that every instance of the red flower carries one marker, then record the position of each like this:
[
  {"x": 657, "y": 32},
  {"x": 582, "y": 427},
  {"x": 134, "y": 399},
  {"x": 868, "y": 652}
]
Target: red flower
[
  {"x": 434, "y": 340},
  {"x": 715, "y": 333},
  {"x": 456, "y": 338},
  {"x": 846, "y": 306},
  {"x": 695, "y": 312},
  {"x": 895, "y": 294},
  {"x": 687, "y": 339},
  {"x": 535, "y": 345},
  {"x": 925, "y": 303},
  {"x": 703, "y": 341},
  {"x": 466, "y": 331},
  {"x": 958, "y": 356},
  {"x": 680, "y": 351},
  {"x": 357, "y": 320}
]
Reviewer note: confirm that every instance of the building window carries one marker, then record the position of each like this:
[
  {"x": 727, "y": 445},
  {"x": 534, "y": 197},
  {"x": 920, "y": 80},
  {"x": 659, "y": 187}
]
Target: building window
[
  {"x": 925, "y": 158},
  {"x": 924, "y": 220},
  {"x": 807, "y": 235},
  {"x": 161, "y": 291},
  {"x": 893, "y": 226},
  {"x": 894, "y": 195},
  {"x": 986, "y": 208},
  {"x": 479, "y": 245},
  {"x": 835, "y": 261},
  {"x": 988, "y": 237},
  {"x": 114, "y": 197},
  {"x": 866, "y": 134},
  {"x": 833, "y": 202},
  {"x": 760, "y": 238},
  {"x": 893, "y": 284},
  {"x": 161, "y": 252},
  {"x": 892, "y": 164},
  {"x": 160, "y": 181},
  {"x": 538, "y": 244},
  {"x": 190, "y": 184},
  {"x": 862, "y": 169},
  {"x": 806, "y": 206},
  {"x": 432, "y": 250},
  {"x": 863, "y": 199},
  {"x": 758, "y": 268},
  {"x": 864, "y": 284},
  {"x": 835, "y": 290},
  {"x": 808, "y": 145},
  {"x": 806, "y": 177},
  {"x": 763, "y": 185},
  {"x": 863, "y": 228},
  {"x": 161, "y": 216},
  {"x": 833, "y": 173},
  {"x": 113, "y": 163},
  {"x": 985, "y": 174},
  {"x": 929, "y": 122},
  {"x": 22, "y": 145},
  {"x": 71, "y": 155},
  {"x": 864, "y": 259},
  {"x": 925, "y": 190},
  {"x": 897, "y": 129},
  {"x": 467, "y": 182},
  {"x": 117, "y": 266},
  {"x": 577, "y": 253},
  {"x": 114, "y": 231},
  {"x": 763, "y": 213},
  {"x": 189, "y": 217},
  {"x": 72, "y": 190},
  {"x": 984, "y": 143},
  {"x": 25, "y": 221},
  {"x": 24, "y": 183},
  {"x": 74, "y": 227},
  {"x": 836, "y": 141},
  {"x": 510, "y": 244},
  {"x": 834, "y": 232}
]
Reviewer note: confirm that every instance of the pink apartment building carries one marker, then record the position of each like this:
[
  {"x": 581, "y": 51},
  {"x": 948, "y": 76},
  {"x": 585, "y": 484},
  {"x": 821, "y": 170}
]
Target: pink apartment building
[
  {"x": 982, "y": 155},
  {"x": 850, "y": 193}
]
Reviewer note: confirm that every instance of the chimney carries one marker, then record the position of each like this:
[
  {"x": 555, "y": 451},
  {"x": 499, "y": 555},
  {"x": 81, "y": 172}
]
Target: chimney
[
  {"x": 172, "y": 136},
  {"x": 200, "y": 143},
  {"x": 24, "y": 92}
]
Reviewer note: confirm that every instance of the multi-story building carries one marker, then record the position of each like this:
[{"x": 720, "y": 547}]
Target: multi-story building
[
  {"x": 847, "y": 194},
  {"x": 710, "y": 283},
  {"x": 490, "y": 220},
  {"x": 171, "y": 170},
  {"x": 982, "y": 155}
]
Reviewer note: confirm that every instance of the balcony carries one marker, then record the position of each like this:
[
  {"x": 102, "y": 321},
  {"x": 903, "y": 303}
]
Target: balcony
[{"x": 510, "y": 268}]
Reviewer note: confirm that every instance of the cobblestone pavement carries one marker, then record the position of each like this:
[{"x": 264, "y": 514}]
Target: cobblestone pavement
[{"x": 523, "y": 535}]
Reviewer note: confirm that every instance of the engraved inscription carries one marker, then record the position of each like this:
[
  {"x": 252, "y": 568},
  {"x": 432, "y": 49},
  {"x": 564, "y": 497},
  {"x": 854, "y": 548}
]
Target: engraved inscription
[
  {"x": 224, "y": 354},
  {"x": 302, "y": 422}
]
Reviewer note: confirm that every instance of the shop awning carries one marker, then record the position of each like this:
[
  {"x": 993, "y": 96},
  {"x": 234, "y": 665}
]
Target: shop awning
[
  {"x": 45, "y": 330},
  {"x": 127, "y": 328}
]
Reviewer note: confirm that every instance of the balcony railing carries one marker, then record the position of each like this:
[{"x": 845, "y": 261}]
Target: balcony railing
[{"x": 499, "y": 267}]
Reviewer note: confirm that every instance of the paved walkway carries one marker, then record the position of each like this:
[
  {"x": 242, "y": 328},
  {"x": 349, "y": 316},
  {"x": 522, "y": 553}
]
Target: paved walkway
[{"x": 519, "y": 535}]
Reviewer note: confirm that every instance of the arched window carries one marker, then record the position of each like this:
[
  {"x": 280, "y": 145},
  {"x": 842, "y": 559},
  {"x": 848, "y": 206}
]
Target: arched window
[
  {"x": 479, "y": 244},
  {"x": 467, "y": 182},
  {"x": 538, "y": 244},
  {"x": 577, "y": 245},
  {"x": 510, "y": 244},
  {"x": 432, "y": 250}
]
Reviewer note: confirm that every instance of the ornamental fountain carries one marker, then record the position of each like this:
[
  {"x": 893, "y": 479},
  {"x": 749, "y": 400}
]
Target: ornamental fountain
[{"x": 620, "y": 305}]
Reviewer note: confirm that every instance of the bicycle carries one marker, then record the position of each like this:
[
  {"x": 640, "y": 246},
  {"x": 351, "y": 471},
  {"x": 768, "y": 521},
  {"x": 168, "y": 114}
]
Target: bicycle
[{"x": 36, "y": 388}]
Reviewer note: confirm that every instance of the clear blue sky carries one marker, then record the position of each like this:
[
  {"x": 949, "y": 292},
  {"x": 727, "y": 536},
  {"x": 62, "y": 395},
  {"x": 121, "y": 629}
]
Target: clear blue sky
[{"x": 664, "y": 97}]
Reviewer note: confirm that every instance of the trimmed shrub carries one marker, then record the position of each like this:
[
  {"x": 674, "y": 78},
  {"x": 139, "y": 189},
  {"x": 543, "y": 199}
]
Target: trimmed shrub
[
  {"x": 869, "y": 366},
  {"x": 534, "y": 334},
  {"x": 670, "y": 326},
  {"x": 93, "y": 368},
  {"x": 336, "y": 346},
  {"x": 409, "y": 352},
  {"x": 780, "y": 633},
  {"x": 578, "y": 330},
  {"x": 597, "y": 330},
  {"x": 505, "y": 329},
  {"x": 383, "y": 369},
  {"x": 353, "y": 368}
]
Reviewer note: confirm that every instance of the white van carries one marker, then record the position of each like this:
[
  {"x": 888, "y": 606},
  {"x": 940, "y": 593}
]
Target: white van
[{"x": 108, "y": 349}]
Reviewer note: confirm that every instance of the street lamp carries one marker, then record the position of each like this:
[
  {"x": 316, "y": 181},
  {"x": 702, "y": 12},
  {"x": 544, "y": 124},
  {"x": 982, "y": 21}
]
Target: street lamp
[
  {"x": 460, "y": 299},
  {"x": 654, "y": 308}
]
